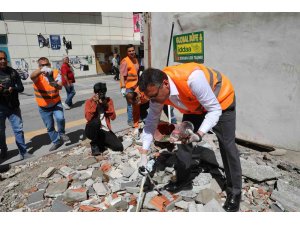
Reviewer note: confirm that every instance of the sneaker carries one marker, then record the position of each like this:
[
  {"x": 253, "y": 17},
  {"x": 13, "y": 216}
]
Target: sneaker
[
  {"x": 55, "y": 146},
  {"x": 66, "y": 106},
  {"x": 26, "y": 156},
  {"x": 64, "y": 137},
  {"x": 95, "y": 150}
]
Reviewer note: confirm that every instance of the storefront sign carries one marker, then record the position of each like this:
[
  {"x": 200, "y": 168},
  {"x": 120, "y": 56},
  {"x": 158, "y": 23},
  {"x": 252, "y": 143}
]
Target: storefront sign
[
  {"x": 55, "y": 42},
  {"x": 189, "y": 47}
]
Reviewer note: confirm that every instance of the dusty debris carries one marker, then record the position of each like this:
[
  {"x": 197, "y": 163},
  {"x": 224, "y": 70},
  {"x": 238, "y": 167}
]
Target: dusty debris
[{"x": 76, "y": 181}]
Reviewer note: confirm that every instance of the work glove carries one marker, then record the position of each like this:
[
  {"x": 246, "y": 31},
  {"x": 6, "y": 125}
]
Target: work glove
[
  {"x": 46, "y": 70},
  {"x": 193, "y": 137},
  {"x": 123, "y": 91}
]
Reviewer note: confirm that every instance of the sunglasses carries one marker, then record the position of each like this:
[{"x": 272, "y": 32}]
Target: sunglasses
[
  {"x": 42, "y": 65},
  {"x": 3, "y": 59}
]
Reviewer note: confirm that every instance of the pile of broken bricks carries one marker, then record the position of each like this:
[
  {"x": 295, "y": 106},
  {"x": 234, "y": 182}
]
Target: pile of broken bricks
[{"x": 111, "y": 183}]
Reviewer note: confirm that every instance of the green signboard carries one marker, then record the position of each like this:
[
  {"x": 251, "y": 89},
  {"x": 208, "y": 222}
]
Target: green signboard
[{"x": 189, "y": 47}]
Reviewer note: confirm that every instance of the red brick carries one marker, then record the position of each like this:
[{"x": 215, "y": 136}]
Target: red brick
[{"x": 86, "y": 208}]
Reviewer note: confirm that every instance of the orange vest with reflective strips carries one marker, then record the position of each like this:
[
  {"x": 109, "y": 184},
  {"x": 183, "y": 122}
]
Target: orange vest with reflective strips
[
  {"x": 219, "y": 83},
  {"x": 132, "y": 74},
  {"x": 44, "y": 93}
]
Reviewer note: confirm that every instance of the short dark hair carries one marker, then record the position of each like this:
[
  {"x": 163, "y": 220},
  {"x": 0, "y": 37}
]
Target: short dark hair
[
  {"x": 151, "y": 77},
  {"x": 129, "y": 46},
  {"x": 4, "y": 53},
  {"x": 43, "y": 58},
  {"x": 100, "y": 87}
]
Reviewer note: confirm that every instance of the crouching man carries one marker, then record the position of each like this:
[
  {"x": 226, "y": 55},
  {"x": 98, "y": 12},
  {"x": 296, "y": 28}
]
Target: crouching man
[{"x": 99, "y": 110}]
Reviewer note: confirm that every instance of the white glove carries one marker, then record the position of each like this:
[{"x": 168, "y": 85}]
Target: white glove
[
  {"x": 123, "y": 91},
  {"x": 194, "y": 137},
  {"x": 46, "y": 70},
  {"x": 144, "y": 160}
]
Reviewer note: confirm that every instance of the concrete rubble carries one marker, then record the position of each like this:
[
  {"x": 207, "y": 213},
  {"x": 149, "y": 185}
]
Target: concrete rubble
[{"x": 74, "y": 181}]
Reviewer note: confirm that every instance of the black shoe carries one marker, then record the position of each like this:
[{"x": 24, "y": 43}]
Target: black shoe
[
  {"x": 95, "y": 150},
  {"x": 55, "y": 146},
  {"x": 3, "y": 154},
  {"x": 64, "y": 137},
  {"x": 232, "y": 203},
  {"x": 4, "y": 168},
  {"x": 176, "y": 187}
]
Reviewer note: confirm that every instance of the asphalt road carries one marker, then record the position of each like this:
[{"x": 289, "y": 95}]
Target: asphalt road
[{"x": 36, "y": 136}]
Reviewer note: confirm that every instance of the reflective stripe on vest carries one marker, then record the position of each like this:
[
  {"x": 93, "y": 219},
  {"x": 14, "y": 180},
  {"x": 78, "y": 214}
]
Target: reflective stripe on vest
[
  {"x": 132, "y": 76},
  {"x": 219, "y": 83},
  {"x": 44, "y": 93}
]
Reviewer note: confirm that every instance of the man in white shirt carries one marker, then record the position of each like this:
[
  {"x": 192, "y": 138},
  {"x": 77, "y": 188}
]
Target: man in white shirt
[{"x": 206, "y": 98}]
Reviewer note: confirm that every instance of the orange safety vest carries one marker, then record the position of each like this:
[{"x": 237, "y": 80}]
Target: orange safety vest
[
  {"x": 44, "y": 93},
  {"x": 218, "y": 82},
  {"x": 132, "y": 74}
]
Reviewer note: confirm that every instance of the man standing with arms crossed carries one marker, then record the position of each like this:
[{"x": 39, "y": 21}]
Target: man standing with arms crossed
[
  {"x": 46, "y": 84},
  {"x": 206, "y": 98},
  {"x": 129, "y": 68}
]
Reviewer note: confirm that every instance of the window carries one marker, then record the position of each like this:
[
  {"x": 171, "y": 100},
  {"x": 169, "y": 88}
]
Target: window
[{"x": 3, "y": 39}]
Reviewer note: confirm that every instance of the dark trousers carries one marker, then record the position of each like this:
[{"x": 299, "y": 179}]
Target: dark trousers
[
  {"x": 225, "y": 131},
  {"x": 102, "y": 138},
  {"x": 116, "y": 71}
]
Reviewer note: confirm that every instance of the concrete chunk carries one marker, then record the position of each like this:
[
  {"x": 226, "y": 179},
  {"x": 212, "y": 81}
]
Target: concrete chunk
[
  {"x": 206, "y": 195},
  {"x": 59, "y": 206},
  {"x": 75, "y": 195},
  {"x": 101, "y": 189},
  {"x": 35, "y": 197},
  {"x": 66, "y": 171},
  {"x": 213, "y": 206},
  {"x": 57, "y": 189},
  {"x": 48, "y": 172},
  {"x": 257, "y": 172}
]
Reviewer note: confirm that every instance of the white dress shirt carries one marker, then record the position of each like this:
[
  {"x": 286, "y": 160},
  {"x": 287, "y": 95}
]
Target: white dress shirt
[{"x": 201, "y": 90}]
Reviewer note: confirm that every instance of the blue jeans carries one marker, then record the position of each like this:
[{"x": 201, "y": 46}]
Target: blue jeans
[
  {"x": 15, "y": 119},
  {"x": 129, "y": 109},
  {"x": 48, "y": 115},
  {"x": 70, "y": 94}
]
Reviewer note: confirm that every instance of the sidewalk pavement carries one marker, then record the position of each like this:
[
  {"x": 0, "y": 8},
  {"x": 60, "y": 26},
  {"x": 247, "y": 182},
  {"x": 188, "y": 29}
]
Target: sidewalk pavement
[{"x": 29, "y": 81}]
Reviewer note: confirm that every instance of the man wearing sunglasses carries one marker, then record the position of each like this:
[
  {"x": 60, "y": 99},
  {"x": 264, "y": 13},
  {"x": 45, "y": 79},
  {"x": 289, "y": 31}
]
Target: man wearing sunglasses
[
  {"x": 10, "y": 87},
  {"x": 46, "y": 84},
  {"x": 206, "y": 98}
]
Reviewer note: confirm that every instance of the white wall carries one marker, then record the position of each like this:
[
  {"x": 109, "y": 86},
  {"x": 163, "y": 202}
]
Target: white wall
[
  {"x": 80, "y": 28},
  {"x": 259, "y": 52}
]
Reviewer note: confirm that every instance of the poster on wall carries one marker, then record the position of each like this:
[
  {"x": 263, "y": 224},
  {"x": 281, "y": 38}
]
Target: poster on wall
[
  {"x": 142, "y": 28},
  {"x": 136, "y": 23},
  {"x": 56, "y": 64},
  {"x": 189, "y": 47},
  {"x": 21, "y": 66},
  {"x": 55, "y": 42}
]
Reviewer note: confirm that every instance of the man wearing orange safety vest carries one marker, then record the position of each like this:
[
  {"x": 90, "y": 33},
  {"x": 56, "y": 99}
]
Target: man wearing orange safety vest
[
  {"x": 206, "y": 98},
  {"x": 46, "y": 84},
  {"x": 129, "y": 68}
]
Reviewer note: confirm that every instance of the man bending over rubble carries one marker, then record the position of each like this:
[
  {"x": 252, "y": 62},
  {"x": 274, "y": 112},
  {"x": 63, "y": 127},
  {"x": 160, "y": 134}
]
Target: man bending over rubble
[{"x": 206, "y": 98}]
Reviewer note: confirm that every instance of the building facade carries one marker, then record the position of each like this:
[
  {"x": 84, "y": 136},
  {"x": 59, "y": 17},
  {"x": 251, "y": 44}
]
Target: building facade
[{"x": 89, "y": 39}]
